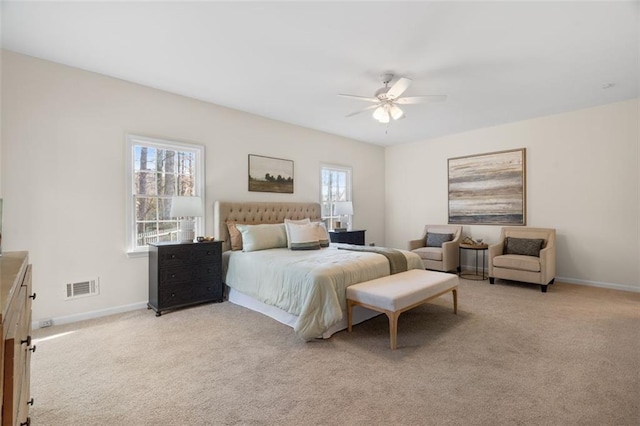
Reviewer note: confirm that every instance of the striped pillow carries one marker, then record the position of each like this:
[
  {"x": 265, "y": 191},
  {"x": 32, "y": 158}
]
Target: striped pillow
[
  {"x": 306, "y": 220},
  {"x": 303, "y": 236}
]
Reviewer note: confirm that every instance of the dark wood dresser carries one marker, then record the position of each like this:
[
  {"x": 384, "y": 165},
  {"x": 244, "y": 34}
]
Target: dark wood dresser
[
  {"x": 184, "y": 274},
  {"x": 355, "y": 237},
  {"x": 15, "y": 298}
]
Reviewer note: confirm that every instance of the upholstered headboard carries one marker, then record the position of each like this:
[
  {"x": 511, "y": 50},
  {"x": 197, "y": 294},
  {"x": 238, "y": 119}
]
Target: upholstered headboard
[{"x": 255, "y": 213}]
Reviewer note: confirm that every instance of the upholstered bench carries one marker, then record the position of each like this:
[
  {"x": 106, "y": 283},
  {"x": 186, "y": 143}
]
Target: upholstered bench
[{"x": 395, "y": 294}]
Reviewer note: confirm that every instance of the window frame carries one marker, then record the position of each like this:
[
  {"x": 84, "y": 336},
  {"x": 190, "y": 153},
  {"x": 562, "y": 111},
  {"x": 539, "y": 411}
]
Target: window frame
[
  {"x": 329, "y": 220},
  {"x": 132, "y": 141}
]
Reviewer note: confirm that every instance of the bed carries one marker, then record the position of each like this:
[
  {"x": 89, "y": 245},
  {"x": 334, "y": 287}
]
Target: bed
[{"x": 303, "y": 289}]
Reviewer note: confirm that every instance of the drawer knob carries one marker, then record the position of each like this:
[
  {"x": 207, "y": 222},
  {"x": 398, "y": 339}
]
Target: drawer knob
[
  {"x": 173, "y": 295},
  {"x": 208, "y": 253},
  {"x": 30, "y": 402},
  {"x": 33, "y": 296},
  {"x": 27, "y": 341},
  {"x": 173, "y": 275},
  {"x": 173, "y": 256},
  {"x": 27, "y": 423},
  {"x": 33, "y": 349}
]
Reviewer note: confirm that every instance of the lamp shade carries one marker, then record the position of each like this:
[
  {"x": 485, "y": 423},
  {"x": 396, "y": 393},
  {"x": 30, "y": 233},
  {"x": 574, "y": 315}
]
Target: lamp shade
[
  {"x": 186, "y": 207},
  {"x": 344, "y": 207}
]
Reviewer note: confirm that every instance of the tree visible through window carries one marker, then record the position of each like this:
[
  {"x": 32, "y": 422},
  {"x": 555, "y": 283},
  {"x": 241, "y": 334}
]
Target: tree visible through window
[
  {"x": 160, "y": 170},
  {"x": 335, "y": 186}
]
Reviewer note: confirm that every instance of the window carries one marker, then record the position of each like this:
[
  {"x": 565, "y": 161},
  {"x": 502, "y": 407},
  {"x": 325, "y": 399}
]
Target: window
[
  {"x": 335, "y": 182},
  {"x": 156, "y": 171}
]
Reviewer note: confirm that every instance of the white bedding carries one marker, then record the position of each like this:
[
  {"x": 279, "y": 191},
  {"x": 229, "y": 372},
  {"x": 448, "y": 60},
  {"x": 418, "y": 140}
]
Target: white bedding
[{"x": 309, "y": 284}]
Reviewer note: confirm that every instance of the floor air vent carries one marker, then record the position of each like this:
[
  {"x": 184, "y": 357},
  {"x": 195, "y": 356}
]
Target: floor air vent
[{"x": 83, "y": 289}]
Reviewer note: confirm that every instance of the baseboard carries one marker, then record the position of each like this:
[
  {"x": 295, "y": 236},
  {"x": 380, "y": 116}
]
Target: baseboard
[
  {"x": 599, "y": 284},
  {"x": 612, "y": 286},
  {"x": 91, "y": 315}
]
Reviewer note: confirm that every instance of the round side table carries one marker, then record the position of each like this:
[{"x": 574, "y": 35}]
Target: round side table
[{"x": 476, "y": 248}]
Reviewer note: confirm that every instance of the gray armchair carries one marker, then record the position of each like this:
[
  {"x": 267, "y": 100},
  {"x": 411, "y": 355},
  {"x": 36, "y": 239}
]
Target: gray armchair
[
  {"x": 524, "y": 254},
  {"x": 444, "y": 257}
]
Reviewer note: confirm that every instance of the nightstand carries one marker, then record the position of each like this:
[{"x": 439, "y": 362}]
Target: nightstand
[
  {"x": 184, "y": 274},
  {"x": 350, "y": 237}
]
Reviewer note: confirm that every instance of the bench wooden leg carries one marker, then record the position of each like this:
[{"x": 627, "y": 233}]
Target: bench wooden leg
[
  {"x": 393, "y": 328},
  {"x": 349, "y": 313},
  {"x": 455, "y": 300}
]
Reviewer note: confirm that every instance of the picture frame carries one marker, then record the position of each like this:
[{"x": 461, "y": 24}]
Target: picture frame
[
  {"x": 488, "y": 189},
  {"x": 269, "y": 174}
]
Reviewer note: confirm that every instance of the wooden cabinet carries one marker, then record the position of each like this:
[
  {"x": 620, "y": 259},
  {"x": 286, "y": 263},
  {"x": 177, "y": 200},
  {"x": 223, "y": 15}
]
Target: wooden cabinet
[
  {"x": 350, "y": 237},
  {"x": 16, "y": 296},
  {"x": 183, "y": 274}
]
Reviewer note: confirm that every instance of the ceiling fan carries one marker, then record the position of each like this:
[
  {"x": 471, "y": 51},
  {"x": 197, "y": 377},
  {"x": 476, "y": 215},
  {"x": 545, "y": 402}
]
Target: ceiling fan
[{"x": 387, "y": 99}]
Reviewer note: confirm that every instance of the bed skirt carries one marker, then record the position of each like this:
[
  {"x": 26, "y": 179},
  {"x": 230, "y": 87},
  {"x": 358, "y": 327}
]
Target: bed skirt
[{"x": 236, "y": 297}]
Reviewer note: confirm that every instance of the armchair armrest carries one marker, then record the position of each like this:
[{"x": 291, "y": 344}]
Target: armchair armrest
[
  {"x": 414, "y": 244},
  {"x": 451, "y": 254},
  {"x": 548, "y": 264},
  {"x": 493, "y": 251}
]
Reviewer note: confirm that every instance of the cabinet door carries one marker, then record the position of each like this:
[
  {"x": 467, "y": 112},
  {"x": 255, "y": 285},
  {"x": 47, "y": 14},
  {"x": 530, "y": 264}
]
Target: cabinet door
[{"x": 15, "y": 357}]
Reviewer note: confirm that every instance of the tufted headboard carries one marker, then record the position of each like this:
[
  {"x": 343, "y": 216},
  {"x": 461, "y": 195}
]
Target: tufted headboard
[{"x": 255, "y": 213}]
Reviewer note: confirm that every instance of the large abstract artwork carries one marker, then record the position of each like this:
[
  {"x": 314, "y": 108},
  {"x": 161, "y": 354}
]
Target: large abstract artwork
[
  {"x": 267, "y": 174},
  {"x": 488, "y": 189}
]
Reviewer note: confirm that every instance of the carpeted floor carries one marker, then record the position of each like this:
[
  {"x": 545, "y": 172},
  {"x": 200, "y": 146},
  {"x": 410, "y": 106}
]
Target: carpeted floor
[{"x": 512, "y": 356}]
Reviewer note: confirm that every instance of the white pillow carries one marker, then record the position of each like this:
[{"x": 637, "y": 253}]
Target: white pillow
[
  {"x": 303, "y": 236},
  {"x": 323, "y": 234},
  {"x": 297, "y": 222},
  {"x": 262, "y": 237}
]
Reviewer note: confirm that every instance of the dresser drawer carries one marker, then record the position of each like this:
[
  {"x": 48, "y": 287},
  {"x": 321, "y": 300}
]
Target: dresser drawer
[
  {"x": 173, "y": 276},
  {"x": 174, "y": 256},
  {"x": 206, "y": 271},
  {"x": 175, "y": 296},
  {"x": 207, "y": 292},
  {"x": 206, "y": 254}
]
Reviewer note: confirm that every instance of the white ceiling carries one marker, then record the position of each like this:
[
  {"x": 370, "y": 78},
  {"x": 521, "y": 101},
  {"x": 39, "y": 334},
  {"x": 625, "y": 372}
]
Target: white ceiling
[{"x": 498, "y": 62}]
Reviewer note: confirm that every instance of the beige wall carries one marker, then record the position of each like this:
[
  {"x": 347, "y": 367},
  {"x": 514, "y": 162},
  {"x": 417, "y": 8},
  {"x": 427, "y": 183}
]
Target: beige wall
[
  {"x": 582, "y": 179},
  {"x": 63, "y": 173}
]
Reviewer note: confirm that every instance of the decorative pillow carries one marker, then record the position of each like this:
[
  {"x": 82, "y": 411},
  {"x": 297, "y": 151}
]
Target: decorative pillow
[
  {"x": 523, "y": 246},
  {"x": 304, "y": 221},
  {"x": 303, "y": 236},
  {"x": 235, "y": 236},
  {"x": 436, "y": 240},
  {"x": 323, "y": 234},
  {"x": 262, "y": 237}
]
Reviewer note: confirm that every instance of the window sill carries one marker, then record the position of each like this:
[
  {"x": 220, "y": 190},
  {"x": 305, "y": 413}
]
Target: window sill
[{"x": 140, "y": 253}]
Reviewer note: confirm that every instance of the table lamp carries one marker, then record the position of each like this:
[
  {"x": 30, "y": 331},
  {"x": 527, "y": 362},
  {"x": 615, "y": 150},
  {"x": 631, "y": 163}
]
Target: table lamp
[
  {"x": 344, "y": 208},
  {"x": 186, "y": 209}
]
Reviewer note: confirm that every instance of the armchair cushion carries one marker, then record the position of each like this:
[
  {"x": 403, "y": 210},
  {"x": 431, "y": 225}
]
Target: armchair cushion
[
  {"x": 523, "y": 246},
  {"x": 429, "y": 253},
  {"x": 436, "y": 240},
  {"x": 515, "y": 261}
]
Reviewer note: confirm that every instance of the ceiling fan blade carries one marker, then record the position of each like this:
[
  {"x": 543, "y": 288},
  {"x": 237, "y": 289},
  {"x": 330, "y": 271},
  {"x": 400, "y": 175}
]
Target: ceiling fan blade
[
  {"x": 362, "y": 110},
  {"x": 362, "y": 98},
  {"x": 421, "y": 99},
  {"x": 398, "y": 88}
]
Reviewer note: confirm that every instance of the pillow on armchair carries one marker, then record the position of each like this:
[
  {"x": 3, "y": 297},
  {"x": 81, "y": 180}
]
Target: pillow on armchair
[
  {"x": 523, "y": 246},
  {"x": 436, "y": 240}
]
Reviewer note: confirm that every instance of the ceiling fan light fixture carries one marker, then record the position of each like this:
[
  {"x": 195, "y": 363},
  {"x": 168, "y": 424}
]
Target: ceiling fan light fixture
[
  {"x": 396, "y": 112},
  {"x": 379, "y": 112},
  {"x": 385, "y": 117}
]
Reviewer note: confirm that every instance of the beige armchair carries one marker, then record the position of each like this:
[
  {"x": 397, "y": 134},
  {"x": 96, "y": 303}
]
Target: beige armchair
[
  {"x": 516, "y": 261},
  {"x": 445, "y": 258}
]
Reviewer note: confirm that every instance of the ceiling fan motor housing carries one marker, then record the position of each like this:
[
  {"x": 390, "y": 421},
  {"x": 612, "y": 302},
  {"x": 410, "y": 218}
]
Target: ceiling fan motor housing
[{"x": 382, "y": 93}]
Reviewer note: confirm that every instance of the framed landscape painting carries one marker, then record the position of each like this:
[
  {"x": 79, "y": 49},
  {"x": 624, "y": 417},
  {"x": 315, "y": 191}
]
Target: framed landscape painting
[
  {"x": 267, "y": 174},
  {"x": 488, "y": 189}
]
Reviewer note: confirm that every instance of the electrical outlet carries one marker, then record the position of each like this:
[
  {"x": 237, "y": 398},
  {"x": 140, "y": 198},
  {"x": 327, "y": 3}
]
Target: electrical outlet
[{"x": 46, "y": 323}]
